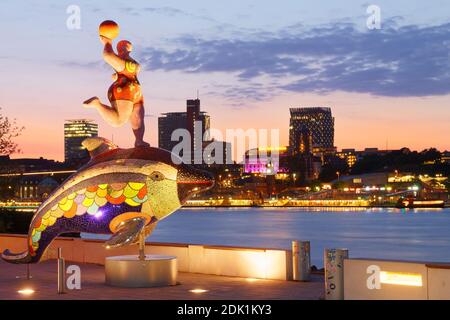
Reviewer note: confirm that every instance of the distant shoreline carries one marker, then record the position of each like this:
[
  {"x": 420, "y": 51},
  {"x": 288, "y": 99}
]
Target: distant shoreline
[
  {"x": 261, "y": 206},
  {"x": 290, "y": 206}
]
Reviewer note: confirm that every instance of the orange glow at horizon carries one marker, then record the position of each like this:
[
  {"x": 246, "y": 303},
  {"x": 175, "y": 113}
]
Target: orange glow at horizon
[{"x": 360, "y": 120}]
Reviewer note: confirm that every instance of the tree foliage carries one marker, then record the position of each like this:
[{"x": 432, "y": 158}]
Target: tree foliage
[
  {"x": 425, "y": 161},
  {"x": 9, "y": 130},
  {"x": 330, "y": 170}
]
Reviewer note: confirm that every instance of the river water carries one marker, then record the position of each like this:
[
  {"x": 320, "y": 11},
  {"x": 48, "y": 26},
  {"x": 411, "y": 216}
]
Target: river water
[{"x": 397, "y": 234}]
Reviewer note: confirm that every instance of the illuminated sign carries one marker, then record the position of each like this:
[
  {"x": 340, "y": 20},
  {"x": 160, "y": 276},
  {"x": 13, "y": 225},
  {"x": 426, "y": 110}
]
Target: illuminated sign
[{"x": 401, "y": 278}]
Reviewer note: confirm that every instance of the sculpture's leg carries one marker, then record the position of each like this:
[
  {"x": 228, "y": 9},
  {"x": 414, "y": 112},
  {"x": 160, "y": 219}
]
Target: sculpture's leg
[
  {"x": 116, "y": 115},
  {"x": 144, "y": 234},
  {"x": 138, "y": 125}
]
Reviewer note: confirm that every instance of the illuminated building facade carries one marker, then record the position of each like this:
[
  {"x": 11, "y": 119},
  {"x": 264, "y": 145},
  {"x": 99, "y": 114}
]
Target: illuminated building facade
[
  {"x": 75, "y": 131},
  {"x": 266, "y": 161},
  {"x": 349, "y": 155},
  {"x": 320, "y": 123},
  {"x": 168, "y": 123},
  {"x": 217, "y": 152},
  {"x": 34, "y": 188},
  {"x": 445, "y": 157}
]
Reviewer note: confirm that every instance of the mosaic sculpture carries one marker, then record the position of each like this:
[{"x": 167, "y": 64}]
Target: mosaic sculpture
[
  {"x": 125, "y": 95},
  {"x": 120, "y": 191}
]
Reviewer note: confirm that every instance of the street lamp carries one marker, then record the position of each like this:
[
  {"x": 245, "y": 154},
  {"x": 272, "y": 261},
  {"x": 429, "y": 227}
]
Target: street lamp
[{"x": 338, "y": 174}]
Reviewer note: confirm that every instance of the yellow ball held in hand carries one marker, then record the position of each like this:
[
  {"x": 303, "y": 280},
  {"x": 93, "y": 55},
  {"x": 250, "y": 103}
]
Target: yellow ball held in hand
[{"x": 108, "y": 29}]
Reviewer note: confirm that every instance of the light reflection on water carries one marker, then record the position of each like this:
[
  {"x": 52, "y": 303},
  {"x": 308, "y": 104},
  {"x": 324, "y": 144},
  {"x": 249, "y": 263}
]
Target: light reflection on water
[{"x": 385, "y": 233}]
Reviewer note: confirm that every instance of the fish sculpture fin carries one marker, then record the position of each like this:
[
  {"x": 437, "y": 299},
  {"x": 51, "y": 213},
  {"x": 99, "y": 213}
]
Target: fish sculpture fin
[
  {"x": 127, "y": 233},
  {"x": 97, "y": 146}
]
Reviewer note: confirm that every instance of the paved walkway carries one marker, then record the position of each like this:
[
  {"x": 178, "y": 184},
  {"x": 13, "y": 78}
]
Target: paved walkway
[{"x": 44, "y": 283}]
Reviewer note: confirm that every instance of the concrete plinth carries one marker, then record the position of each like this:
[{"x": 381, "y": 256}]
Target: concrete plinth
[{"x": 130, "y": 271}]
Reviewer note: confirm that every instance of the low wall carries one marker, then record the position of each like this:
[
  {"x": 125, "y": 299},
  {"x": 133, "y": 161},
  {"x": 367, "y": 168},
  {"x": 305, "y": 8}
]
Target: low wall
[
  {"x": 438, "y": 281},
  {"x": 218, "y": 260},
  {"x": 397, "y": 280}
]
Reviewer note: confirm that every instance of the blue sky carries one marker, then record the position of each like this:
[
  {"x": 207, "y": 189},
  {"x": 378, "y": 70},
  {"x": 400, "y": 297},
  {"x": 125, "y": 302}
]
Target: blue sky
[{"x": 255, "y": 58}]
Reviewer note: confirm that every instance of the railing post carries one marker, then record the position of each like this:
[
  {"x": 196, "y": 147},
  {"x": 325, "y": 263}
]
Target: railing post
[
  {"x": 334, "y": 273},
  {"x": 61, "y": 273}
]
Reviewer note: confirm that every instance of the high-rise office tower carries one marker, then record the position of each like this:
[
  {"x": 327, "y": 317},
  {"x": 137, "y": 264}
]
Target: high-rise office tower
[
  {"x": 75, "y": 131},
  {"x": 197, "y": 118},
  {"x": 320, "y": 123},
  {"x": 168, "y": 123},
  {"x": 196, "y": 122}
]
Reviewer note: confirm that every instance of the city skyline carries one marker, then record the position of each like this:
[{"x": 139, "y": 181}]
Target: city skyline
[
  {"x": 185, "y": 46},
  {"x": 238, "y": 158}
]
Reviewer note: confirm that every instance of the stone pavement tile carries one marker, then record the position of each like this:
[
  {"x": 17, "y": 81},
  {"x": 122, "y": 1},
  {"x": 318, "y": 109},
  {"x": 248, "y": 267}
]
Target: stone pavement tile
[{"x": 44, "y": 282}]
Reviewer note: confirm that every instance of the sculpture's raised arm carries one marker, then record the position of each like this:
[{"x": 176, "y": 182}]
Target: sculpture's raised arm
[{"x": 110, "y": 56}]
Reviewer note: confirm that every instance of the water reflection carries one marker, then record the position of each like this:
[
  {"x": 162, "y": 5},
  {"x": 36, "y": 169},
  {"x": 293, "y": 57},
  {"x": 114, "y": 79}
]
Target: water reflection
[
  {"x": 389, "y": 233},
  {"x": 419, "y": 234}
]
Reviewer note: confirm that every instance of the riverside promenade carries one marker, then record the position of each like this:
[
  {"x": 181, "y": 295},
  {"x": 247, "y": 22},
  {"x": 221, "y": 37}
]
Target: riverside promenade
[{"x": 93, "y": 287}]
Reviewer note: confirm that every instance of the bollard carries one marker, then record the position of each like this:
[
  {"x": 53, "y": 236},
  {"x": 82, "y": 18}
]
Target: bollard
[
  {"x": 305, "y": 260},
  {"x": 334, "y": 273},
  {"x": 301, "y": 260},
  {"x": 61, "y": 273},
  {"x": 295, "y": 261}
]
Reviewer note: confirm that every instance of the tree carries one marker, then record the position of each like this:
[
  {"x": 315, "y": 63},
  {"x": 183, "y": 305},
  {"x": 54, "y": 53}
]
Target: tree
[
  {"x": 330, "y": 170},
  {"x": 424, "y": 162},
  {"x": 9, "y": 130},
  {"x": 339, "y": 185}
]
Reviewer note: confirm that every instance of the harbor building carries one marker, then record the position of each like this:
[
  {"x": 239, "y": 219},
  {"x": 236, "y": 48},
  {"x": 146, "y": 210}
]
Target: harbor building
[{"x": 75, "y": 131}]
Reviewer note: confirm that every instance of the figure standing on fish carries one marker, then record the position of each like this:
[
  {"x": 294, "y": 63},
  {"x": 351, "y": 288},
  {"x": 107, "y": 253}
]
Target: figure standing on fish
[{"x": 125, "y": 95}]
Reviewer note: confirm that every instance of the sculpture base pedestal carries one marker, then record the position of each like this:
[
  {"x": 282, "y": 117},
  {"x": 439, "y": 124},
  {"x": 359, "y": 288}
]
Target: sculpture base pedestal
[{"x": 130, "y": 271}]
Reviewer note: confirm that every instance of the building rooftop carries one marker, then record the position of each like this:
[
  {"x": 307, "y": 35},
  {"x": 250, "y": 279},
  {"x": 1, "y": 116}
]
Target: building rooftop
[
  {"x": 309, "y": 109},
  {"x": 180, "y": 113},
  {"x": 79, "y": 120}
]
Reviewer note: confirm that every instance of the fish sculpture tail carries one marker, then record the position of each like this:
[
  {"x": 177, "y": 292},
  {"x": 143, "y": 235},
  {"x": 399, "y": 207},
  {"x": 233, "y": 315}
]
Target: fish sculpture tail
[
  {"x": 18, "y": 258},
  {"x": 32, "y": 254}
]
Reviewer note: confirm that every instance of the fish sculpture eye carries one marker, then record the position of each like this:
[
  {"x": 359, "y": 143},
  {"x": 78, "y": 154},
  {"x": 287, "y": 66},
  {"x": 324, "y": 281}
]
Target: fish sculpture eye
[{"x": 157, "y": 176}]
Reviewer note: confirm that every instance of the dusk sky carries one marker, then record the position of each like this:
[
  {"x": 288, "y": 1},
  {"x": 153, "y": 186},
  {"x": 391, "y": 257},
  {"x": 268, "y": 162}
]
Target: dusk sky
[{"x": 250, "y": 61}]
